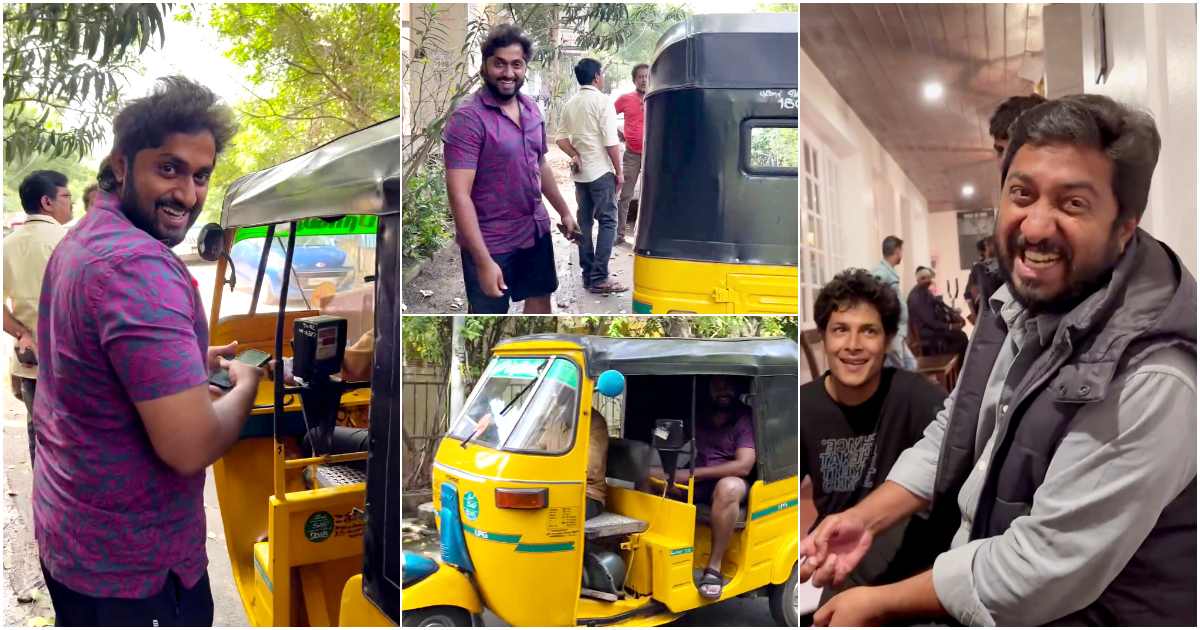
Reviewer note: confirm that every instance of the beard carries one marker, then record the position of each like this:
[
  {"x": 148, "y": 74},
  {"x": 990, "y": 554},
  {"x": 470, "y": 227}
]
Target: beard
[
  {"x": 493, "y": 87},
  {"x": 145, "y": 218},
  {"x": 1081, "y": 281}
]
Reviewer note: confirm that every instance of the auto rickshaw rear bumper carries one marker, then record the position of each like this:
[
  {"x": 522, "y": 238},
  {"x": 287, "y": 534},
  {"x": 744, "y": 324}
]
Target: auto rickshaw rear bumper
[
  {"x": 663, "y": 285},
  {"x": 444, "y": 585}
]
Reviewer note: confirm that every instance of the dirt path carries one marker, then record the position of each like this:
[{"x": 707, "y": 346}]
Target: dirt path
[{"x": 438, "y": 288}]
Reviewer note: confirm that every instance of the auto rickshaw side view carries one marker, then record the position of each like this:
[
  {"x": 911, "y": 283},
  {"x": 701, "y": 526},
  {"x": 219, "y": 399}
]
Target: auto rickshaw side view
[
  {"x": 309, "y": 494},
  {"x": 718, "y": 214},
  {"x": 509, "y": 486}
]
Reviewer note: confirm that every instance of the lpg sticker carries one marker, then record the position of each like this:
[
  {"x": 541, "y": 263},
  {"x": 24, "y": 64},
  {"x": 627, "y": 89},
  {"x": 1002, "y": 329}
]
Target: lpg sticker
[
  {"x": 470, "y": 506},
  {"x": 318, "y": 527}
]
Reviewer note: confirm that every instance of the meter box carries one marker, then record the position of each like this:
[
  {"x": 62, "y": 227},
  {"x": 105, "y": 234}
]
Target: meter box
[{"x": 320, "y": 345}]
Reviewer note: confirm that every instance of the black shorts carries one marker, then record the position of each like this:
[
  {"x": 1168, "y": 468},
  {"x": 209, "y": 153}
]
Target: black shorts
[
  {"x": 527, "y": 272},
  {"x": 174, "y": 605}
]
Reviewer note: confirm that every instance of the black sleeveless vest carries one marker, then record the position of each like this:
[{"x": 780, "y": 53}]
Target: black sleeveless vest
[{"x": 1093, "y": 344}]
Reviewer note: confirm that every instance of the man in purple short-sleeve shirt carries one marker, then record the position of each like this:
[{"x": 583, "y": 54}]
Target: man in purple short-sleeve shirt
[
  {"x": 725, "y": 456},
  {"x": 126, "y": 420},
  {"x": 496, "y": 174}
]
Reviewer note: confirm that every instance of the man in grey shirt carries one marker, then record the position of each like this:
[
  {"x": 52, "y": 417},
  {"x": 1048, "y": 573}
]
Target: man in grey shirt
[{"x": 1069, "y": 443}]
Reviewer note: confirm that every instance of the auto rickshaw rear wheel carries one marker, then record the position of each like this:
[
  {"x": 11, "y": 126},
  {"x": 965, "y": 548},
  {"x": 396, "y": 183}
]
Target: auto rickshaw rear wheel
[
  {"x": 437, "y": 617},
  {"x": 785, "y": 603}
]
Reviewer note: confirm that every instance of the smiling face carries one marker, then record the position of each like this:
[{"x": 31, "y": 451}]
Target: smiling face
[
  {"x": 504, "y": 72},
  {"x": 1057, "y": 234},
  {"x": 163, "y": 189},
  {"x": 855, "y": 346}
]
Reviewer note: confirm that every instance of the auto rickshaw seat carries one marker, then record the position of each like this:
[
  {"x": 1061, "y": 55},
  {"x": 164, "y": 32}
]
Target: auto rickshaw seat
[{"x": 609, "y": 524}]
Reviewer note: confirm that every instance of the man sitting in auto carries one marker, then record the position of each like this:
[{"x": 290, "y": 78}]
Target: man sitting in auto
[{"x": 725, "y": 456}]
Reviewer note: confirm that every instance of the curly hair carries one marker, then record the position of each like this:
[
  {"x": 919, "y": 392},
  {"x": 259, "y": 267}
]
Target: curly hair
[
  {"x": 852, "y": 287},
  {"x": 177, "y": 105},
  {"x": 503, "y": 36}
]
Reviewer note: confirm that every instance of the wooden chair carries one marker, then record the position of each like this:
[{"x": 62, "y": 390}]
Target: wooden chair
[
  {"x": 814, "y": 352},
  {"x": 939, "y": 368}
]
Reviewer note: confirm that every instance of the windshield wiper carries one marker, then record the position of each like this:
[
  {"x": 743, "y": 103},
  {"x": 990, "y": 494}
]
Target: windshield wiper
[{"x": 483, "y": 423}]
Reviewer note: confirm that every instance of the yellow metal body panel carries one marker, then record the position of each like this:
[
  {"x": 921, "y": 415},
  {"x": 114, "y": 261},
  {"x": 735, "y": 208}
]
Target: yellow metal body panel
[
  {"x": 357, "y": 611},
  {"x": 445, "y": 587},
  {"x": 520, "y": 552},
  {"x": 517, "y": 553},
  {"x": 662, "y": 285}
]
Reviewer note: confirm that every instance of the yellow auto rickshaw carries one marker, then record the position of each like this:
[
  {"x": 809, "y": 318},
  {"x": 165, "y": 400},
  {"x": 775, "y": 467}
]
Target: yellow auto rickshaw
[
  {"x": 309, "y": 494},
  {"x": 509, "y": 486},
  {"x": 718, "y": 213}
]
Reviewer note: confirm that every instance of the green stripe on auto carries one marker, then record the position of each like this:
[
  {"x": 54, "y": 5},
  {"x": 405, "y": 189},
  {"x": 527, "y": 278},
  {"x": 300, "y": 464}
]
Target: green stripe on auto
[
  {"x": 641, "y": 309},
  {"x": 515, "y": 539},
  {"x": 791, "y": 503},
  {"x": 350, "y": 224},
  {"x": 544, "y": 547},
  {"x": 680, "y": 552},
  {"x": 263, "y": 573},
  {"x": 504, "y": 538}
]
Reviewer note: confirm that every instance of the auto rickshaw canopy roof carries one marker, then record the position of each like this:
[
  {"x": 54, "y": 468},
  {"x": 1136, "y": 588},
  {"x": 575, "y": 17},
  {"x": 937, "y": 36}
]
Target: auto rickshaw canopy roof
[
  {"x": 722, "y": 50},
  {"x": 346, "y": 176},
  {"x": 759, "y": 356}
]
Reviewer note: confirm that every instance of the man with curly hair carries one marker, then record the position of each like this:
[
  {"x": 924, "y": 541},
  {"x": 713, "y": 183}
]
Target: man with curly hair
[
  {"x": 859, "y": 416},
  {"x": 126, "y": 421}
]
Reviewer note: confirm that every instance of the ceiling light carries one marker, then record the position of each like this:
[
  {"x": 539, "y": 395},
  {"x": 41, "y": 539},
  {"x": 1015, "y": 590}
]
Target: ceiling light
[
  {"x": 933, "y": 91},
  {"x": 968, "y": 190}
]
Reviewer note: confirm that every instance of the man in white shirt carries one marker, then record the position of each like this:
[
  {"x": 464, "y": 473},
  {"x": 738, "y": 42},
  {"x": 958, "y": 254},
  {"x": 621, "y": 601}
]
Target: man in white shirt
[
  {"x": 588, "y": 134},
  {"x": 47, "y": 202}
]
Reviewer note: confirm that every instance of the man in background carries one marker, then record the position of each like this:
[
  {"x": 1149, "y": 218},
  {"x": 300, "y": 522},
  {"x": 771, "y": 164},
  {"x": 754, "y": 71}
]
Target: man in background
[
  {"x": 47, "y": 204},
  {"x": 588, "y": 134},
  {"x": 633, "y": 107},
  {"x": 899, "y": 354}
]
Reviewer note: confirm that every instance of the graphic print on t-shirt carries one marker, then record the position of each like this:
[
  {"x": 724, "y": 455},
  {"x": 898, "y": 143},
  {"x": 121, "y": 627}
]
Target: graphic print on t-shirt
[{"x": 843, "y": 460}]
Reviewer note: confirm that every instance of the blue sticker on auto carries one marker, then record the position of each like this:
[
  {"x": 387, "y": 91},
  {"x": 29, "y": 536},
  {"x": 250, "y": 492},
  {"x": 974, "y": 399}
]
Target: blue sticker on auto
[{"x": 470, "y": 506}]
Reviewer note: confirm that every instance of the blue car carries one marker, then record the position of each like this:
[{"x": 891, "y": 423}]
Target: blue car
[{"x": 317, "y": 260}]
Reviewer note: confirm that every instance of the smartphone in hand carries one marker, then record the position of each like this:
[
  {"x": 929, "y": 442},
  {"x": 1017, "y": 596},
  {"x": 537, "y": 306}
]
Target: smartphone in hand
[{"x": 257, "y": 358}]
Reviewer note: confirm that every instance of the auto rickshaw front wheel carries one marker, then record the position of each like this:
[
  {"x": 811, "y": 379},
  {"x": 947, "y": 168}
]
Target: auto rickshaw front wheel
[
  {"x": 438, "y": 617},
  {"x": 785, "y": 602}
]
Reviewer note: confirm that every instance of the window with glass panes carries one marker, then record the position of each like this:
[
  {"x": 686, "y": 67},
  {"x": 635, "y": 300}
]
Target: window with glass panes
[{"x": 820, "y": 226}]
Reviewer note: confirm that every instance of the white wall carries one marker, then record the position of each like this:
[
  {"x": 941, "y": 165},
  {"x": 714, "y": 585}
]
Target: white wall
[
  {"x": 1152, "y": 61},
  {"x": 874, "y": 192}
]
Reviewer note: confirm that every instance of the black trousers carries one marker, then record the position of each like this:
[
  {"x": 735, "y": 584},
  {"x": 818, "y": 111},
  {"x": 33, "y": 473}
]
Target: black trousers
[
  {"x": 28, "y": 391},
  {"x": 174, "y": 605}
]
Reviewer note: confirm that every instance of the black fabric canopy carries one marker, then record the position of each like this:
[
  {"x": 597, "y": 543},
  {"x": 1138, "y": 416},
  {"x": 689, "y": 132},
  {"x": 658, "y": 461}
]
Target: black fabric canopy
[{"x": 776, "y": 356}]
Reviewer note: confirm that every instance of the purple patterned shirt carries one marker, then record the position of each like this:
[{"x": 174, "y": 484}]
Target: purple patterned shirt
[
  {"x": 507, "y": 162},
  {"x": 119, "y": 321}
]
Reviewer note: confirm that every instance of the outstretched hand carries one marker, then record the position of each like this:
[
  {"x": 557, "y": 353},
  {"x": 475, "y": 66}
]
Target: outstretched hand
[{"x": 833, "y": 549}]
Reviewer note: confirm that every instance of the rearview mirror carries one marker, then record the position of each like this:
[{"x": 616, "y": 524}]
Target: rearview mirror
[{"x": 211, "y": 242}]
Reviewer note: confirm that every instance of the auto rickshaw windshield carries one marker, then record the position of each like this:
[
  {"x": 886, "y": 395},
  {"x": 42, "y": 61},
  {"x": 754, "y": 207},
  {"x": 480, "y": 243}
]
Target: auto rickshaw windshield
[{"x": 525, "y": 404}]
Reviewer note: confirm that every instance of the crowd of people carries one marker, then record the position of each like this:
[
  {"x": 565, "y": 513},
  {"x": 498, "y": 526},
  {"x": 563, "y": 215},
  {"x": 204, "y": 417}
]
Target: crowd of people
[{"x": 1056, "y": 483}]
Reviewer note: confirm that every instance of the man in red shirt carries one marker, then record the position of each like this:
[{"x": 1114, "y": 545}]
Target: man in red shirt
[{"x": 633, "y": 106}]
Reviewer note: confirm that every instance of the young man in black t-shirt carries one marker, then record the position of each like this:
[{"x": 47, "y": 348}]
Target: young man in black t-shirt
[{"x": 858, "y": 417}]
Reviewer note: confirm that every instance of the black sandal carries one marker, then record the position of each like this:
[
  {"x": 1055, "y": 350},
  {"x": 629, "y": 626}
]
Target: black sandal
[{"x": 711, "y": 577}]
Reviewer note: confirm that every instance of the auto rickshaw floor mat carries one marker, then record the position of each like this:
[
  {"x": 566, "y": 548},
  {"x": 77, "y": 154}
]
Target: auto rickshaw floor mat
[
  {"x": 334, "y": 475},
  {"x": 610, "y": 524}
]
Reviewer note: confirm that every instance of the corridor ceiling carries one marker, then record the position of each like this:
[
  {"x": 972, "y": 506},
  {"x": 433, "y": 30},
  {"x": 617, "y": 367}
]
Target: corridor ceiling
[{"x": 879, "y": 57}]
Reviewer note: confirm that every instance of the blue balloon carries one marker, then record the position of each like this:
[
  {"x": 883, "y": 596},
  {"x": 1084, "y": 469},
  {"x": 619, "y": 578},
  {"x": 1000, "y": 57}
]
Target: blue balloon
[{"x": 611, "y": 383}]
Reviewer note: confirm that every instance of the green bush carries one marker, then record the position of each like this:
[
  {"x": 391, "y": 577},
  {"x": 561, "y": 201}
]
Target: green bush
[{"x": 427, "y": 217}]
